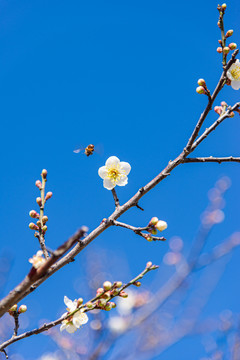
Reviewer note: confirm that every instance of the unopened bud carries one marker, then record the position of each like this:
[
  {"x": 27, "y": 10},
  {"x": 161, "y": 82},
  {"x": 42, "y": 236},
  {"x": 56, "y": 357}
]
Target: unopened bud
[
  {"x": 224, "y": 6},
  {"x": 107, "y": 285},
  {"x": 106, "y": 295},
  {"x": 232, "y": 46},
  {"x": 108, "y": 306},
  {"x": 44, "y": 173},
  {"x": 148, "y": 237},
  {"x": 44, "y": 219},
  {"x": 103, "y": 221},
  {"x": 149, "y": 264},
  {"x": 231, "y": 114},
  {"x": 219, "y": 50},
  {"x": 226, "y": 50},
  {"x": 13, "y": 309},
  {"x": 79, "y": 302},
  {"x": 219, "y": 24},
  {"x": 100, "y": 291},
  {"x": 161, "y": 225},
  {"x": 89, "y": 305},
  {"x": 33, "y": 226},
  {"x": 153, "y": 221},
  {"x": 48, "y": 195},
  {"x": 153, "y": 231},
  {"x": 220, "y": 42},
  {"x": 123, "y": 294},
  {"x": 200, "y": 90},
  {"x": 44, "y": 228},
  {"x": 38, "y": 184},
  {"x": 118, "y": 284},
  {"x": 101, "y": 303},
  {"x": 22, "y": 309},
  {"x": 39, "y": 201},
  {"x": 223, "y": 103},
  {"x": 137, "y": 283},
  {"x": 114, "y": 292},
  {"x": 201, "y": 82},
  {"x": 218, "y": 109},
  {"x": 113, "y": 304},
  {"x": 38, "y": 223},
  {"x": 229, "y": 33},
  {"x": 33, "y": 214}
]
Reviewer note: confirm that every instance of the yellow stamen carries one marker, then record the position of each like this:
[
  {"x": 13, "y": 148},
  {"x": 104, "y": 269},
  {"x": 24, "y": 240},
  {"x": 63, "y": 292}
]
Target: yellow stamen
[{"x": 235, "y": 72}]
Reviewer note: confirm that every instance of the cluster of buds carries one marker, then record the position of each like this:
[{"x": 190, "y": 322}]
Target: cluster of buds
[
  {"x": 202, "y": 88},
  {"x": 224, "y": 48},
  {"x": 42, "y": 219},
  {"x": 15, "y": 311},
  {"x": 220, "y": 110},
  {"x": 154, "y": 226},
  {"x": 106, "y": 293}
]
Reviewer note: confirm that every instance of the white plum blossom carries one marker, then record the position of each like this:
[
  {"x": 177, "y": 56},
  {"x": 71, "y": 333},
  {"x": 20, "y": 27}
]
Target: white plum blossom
[
  {"x": 233, "y": 74},
  {"x": 114, "y": 173},
  {"x": 74, "y": 322},
  {"x": 37, "y": 260}
]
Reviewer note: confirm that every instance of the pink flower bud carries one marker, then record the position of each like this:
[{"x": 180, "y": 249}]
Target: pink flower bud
[
  {"x": 22, "y": 309},
  {"x": 200, "y": 90},
  {"x": 228, "y": 33},
  {"x": 148, "y": 237},
  {"x": 219, "y": 50},
  {"x": 224, "y": 6},
  {"x": 33, "y": 226},
  {"x": 100, "y": 291},
  {"x": 123, "y": 294},
  {"x": 118, "y": 284},
  {"x": 218, "y": 109},
  {"x": 106, "y": 295},
  {"x": 44, "y": 173},
  {"x": 108, "y": 306},
  {"x": 33, "y": 214},
  {"x": 220, "y": 42},
  {"x": 201, "y": 82},
  {"x": 107, "y": 285},
  {"x": 48, "y": 195},
  {"x": 137, "y": 283},
  {"x": 39, "y": 223},
  {"x": 113, "y": 304},
  {"x": 38, "y": 184},
  {"x": 44, "y": 228},
  {"x": 101, "y": 303},
  {"x": 44, "y": 219},
  {"x": 149, "y": 264},
  {"x": 232, "y": 46},
  {"x": 89, "y": 305},
  {"x": 39, "y": 201},
  {"x": 226, "y": 50},
  {"x": 231, "y": 114},
  {"x": 223, "y": 103},
  {"x": 218, "y": 24}
]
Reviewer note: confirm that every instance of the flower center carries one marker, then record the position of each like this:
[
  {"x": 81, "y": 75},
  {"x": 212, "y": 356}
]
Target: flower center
[
  {"x": 235, "y": 72},
  {"x": 114, "y": 174}
]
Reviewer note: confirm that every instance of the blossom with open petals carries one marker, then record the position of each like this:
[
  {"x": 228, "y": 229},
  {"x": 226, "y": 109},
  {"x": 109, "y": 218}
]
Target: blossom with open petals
[
  {"x": 233, "y": 74},
  {"x": 114, "y": 173},
  {"x": 37, "y": 260},
  {"x": 74, "y": 322}
]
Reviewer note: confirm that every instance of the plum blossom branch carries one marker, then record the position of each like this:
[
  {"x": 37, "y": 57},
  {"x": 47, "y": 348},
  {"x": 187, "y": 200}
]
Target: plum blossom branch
[
  {"x": 212, "y": 159},
  {"x": 139, "y": 231},
  {"x": 86, "y": 307},
  {"x": 115, "y": 197}
]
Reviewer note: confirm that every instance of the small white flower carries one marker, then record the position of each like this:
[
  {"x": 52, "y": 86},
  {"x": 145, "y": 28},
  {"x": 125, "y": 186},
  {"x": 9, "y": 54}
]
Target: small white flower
[
  {"x": 75, "y": 321},
  {"x": 234, "y": 75},
  {"x": 114, "y": 173},
  {"x": 37, "y": 260}
]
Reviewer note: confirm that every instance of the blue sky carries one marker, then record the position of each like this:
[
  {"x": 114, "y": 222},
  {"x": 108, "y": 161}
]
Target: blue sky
[{"x": 122, "y": 75}]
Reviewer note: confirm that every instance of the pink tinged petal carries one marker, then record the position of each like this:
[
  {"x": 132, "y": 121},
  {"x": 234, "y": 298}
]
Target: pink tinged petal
[
  {"x": 126, "y": 167},
  {"x": 108, "y": 184},
  {"x": 235, "y": 84},
  {"x": 112, "y": 161},
  {"x": 63, "y": 327},
  {"x": 123, "y": 181},
  {"x": 102, "y": 172}
]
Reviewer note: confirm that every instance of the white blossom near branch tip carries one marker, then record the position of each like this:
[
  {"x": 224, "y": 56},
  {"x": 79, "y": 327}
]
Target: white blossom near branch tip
[
  {"x": 37, "y": 260},
  {"x": 75, "y": 321},
  {"x": 233, "y": 74},
  {"x": 114, "y": 173}
]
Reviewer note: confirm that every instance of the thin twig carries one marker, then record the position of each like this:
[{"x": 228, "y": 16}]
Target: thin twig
[
  {"x": 116, "y": 200},
  {"x": 5, "y": 353},
  {"x": 16, "y": 319},
  {"x": 212, "y": 159},
  {"x": 138, "y": 230},
  {"x": 51, "y": 324}
]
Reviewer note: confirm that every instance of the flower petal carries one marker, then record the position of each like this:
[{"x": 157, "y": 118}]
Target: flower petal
[
  {"x": 112, "y": 161},
  {"x": 71, "y": 328},
  {"x": 123, "y": 181},
  {"x": 68, "y": 302},
  {"x": 63, "y": 326},
  {"x": 108, "y": 184},
  {"x": 102, "y": 172},
  {"x": 235, "y": 84},
  {"x": 79, "y": 319},
  {"x": 126, "y": 167}
]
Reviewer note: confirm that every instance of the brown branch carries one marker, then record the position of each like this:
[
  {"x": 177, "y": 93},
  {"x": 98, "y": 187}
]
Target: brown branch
[
  {"x": 116, "y": 200},
  {"x": 35, "y": 274},
  {"x": 138, "y": 230},
  {"x": 212, "y": 159},
  {"x": 50, "y": 267}
]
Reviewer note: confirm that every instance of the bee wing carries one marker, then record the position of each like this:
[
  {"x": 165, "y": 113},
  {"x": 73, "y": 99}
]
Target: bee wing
[{"x": 78, "y": 149}]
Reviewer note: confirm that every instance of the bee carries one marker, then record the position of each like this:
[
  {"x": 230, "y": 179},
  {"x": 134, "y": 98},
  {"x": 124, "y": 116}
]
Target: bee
[{"x": 89, "y": 150}]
